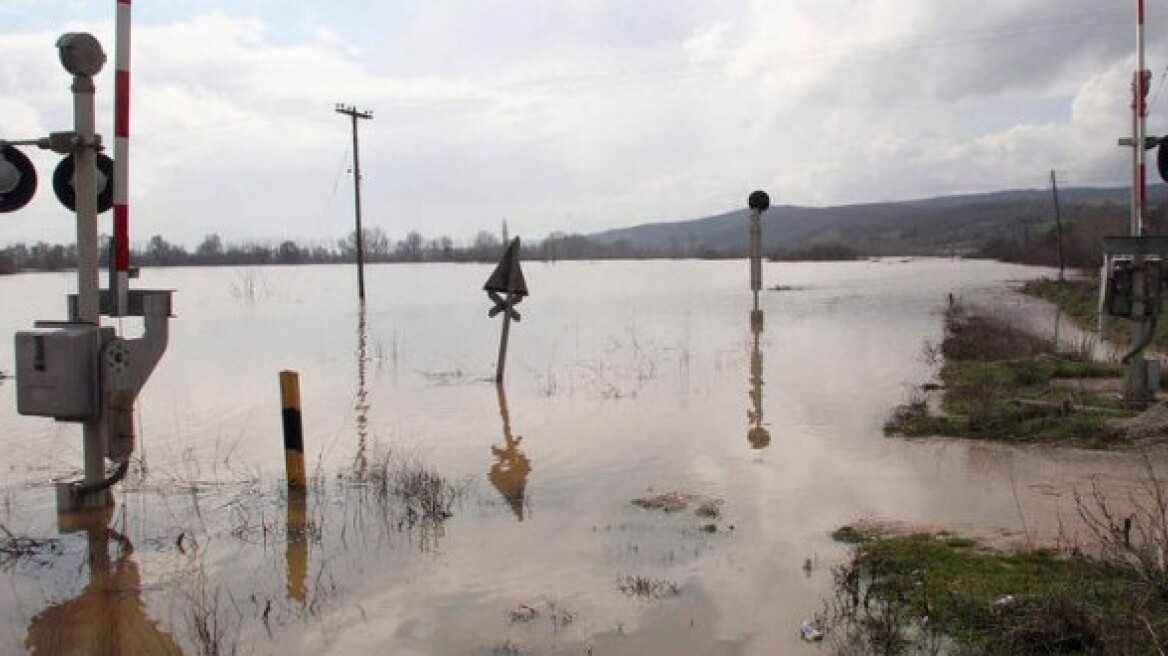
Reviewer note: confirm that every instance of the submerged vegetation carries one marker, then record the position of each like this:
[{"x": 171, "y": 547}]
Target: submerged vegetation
[
  {"x": 647, "y": 587},
  {"x": 17, "y": 548},
  {"x": 304, "y": 539},
  {"x": 1104, "y": 590},
  {"x": 409, "y": 490},
  {"x": 1002, "y": 383},
  {"x": 941, "y": 593}
]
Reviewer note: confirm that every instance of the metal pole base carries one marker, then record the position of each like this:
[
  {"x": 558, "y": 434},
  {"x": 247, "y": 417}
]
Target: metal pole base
[
  {"x": 70, "y": 499},
  {"x": 1140, "y": 382}
]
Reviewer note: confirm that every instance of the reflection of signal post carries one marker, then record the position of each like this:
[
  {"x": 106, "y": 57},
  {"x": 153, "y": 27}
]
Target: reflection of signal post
[
  {"x": 511, "y": 467},
  {"x": 108, "y": 616},
  {"x": 758, "y": 435},
  {"x": 77, "y": 370}
]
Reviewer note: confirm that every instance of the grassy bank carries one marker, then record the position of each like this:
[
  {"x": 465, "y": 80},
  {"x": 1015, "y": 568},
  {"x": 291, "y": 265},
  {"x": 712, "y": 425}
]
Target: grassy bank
[
  {"x": 999, "y": 382},
  {"x": 939, "y": 593},
  {"x": 1079, "y": 300}
]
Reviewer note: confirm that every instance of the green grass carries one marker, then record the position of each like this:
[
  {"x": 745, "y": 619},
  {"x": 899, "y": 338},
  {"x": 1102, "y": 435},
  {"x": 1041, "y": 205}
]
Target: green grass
[
  {"x": 1024, "y": 602},
  {"x": 1079, "y": 299},
  {"x": 1001, "y": 383},
  {"x": 1004, "y": 422},
  {"x": 1015, "y": 400}
]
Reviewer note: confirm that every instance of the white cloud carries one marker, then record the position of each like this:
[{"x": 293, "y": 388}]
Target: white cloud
[{"x": 581, "y": 115}]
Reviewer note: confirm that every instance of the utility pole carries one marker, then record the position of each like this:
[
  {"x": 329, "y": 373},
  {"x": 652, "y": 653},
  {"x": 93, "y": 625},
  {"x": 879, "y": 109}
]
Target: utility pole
[
  {"x": 1058, "y": 223},
  {"x": 353, "y": 114}
]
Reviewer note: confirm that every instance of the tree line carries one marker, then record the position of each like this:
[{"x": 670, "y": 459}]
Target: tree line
[
  {"x": 1079, "y": 239},
  {"x": 1028, "y": 241},
  {"x": 377, "y": 246}
]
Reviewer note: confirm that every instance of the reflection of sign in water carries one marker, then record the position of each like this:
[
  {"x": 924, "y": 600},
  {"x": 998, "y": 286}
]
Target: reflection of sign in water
[
  {"x": 108, "y": 616},
  {"x": 507, "y": 278},
  {"x": 758, "y": 435},
  {"x": 509, "y": 472}
]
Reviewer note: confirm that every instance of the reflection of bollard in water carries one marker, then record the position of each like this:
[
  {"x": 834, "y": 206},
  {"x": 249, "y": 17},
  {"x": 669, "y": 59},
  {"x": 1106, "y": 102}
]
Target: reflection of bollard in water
[
  {"x": 296, "y": 538},
  {"x": 293, "y": 429},
  {"x": 296, "y": 544},
  {"x": 296, "y": 547}
]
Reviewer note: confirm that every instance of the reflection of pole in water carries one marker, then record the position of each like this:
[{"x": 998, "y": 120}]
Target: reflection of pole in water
[
  {"x": 296, "y": 544},
  {"x": 758, "y": 436},
  {"x": 108, "y": 616},
  {"x": 509, "y": 472},
  {"x": 361, "y": 406}
]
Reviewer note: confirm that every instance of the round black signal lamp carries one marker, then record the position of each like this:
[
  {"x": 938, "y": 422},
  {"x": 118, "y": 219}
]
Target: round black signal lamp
[
  {"x": 18, "y": 179},
  {"x": 63, "y": 183},
  {"x": 1162, "y": 159},
  {"x": 759, "y": 201}
]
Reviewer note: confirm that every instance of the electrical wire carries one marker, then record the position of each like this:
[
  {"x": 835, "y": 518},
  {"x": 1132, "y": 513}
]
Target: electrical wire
[{"x": 320, "y": 214}]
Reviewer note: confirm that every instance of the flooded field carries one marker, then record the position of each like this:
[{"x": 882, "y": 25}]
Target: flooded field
[{"x": 445, "y": 516}]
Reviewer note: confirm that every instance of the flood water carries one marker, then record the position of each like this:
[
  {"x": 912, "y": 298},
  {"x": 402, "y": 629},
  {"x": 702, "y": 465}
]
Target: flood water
[{"x": 624, "y": 380}]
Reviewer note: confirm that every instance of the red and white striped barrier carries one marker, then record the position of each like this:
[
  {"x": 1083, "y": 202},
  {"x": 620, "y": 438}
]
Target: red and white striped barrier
[{"x": 122, "y": 159}]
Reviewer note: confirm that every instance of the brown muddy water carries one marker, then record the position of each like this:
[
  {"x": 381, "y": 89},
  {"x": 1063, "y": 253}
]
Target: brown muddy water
[{"x": 446, "y": 518}]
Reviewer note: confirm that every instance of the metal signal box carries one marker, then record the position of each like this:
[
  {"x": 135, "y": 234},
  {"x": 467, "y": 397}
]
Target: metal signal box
[
  {"x": 57, "y": 372},
  {"x": 1120, "y": 293}
]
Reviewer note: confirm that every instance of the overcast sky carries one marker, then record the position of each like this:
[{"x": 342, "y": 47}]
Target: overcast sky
[{"x": 576, "y": 115}]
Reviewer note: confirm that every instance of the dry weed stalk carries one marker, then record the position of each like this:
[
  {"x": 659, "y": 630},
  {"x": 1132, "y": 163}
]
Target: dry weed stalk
[
  {"x": 1139, "y": 538},
  {"x": 214, "y": 626},
  {"x": 14, "y": 548}
]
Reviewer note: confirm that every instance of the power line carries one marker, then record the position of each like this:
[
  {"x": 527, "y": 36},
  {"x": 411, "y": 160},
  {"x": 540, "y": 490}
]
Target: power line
[{"x": 336, "y": 185}]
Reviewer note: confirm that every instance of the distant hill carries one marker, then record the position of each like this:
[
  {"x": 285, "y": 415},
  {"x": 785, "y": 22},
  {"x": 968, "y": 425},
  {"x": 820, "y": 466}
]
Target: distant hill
[{"x": 945, "y": 225}]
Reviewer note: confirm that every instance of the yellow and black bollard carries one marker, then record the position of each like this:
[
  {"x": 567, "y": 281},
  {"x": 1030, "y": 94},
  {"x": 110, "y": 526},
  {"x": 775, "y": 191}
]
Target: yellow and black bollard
[
  {"x": 296, "y": 548},
  {"x": 293, "y": 429}
]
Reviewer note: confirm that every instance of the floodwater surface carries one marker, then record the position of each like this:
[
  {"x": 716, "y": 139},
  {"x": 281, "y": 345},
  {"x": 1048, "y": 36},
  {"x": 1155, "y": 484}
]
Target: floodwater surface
[{"x": 445, "y": 515}]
